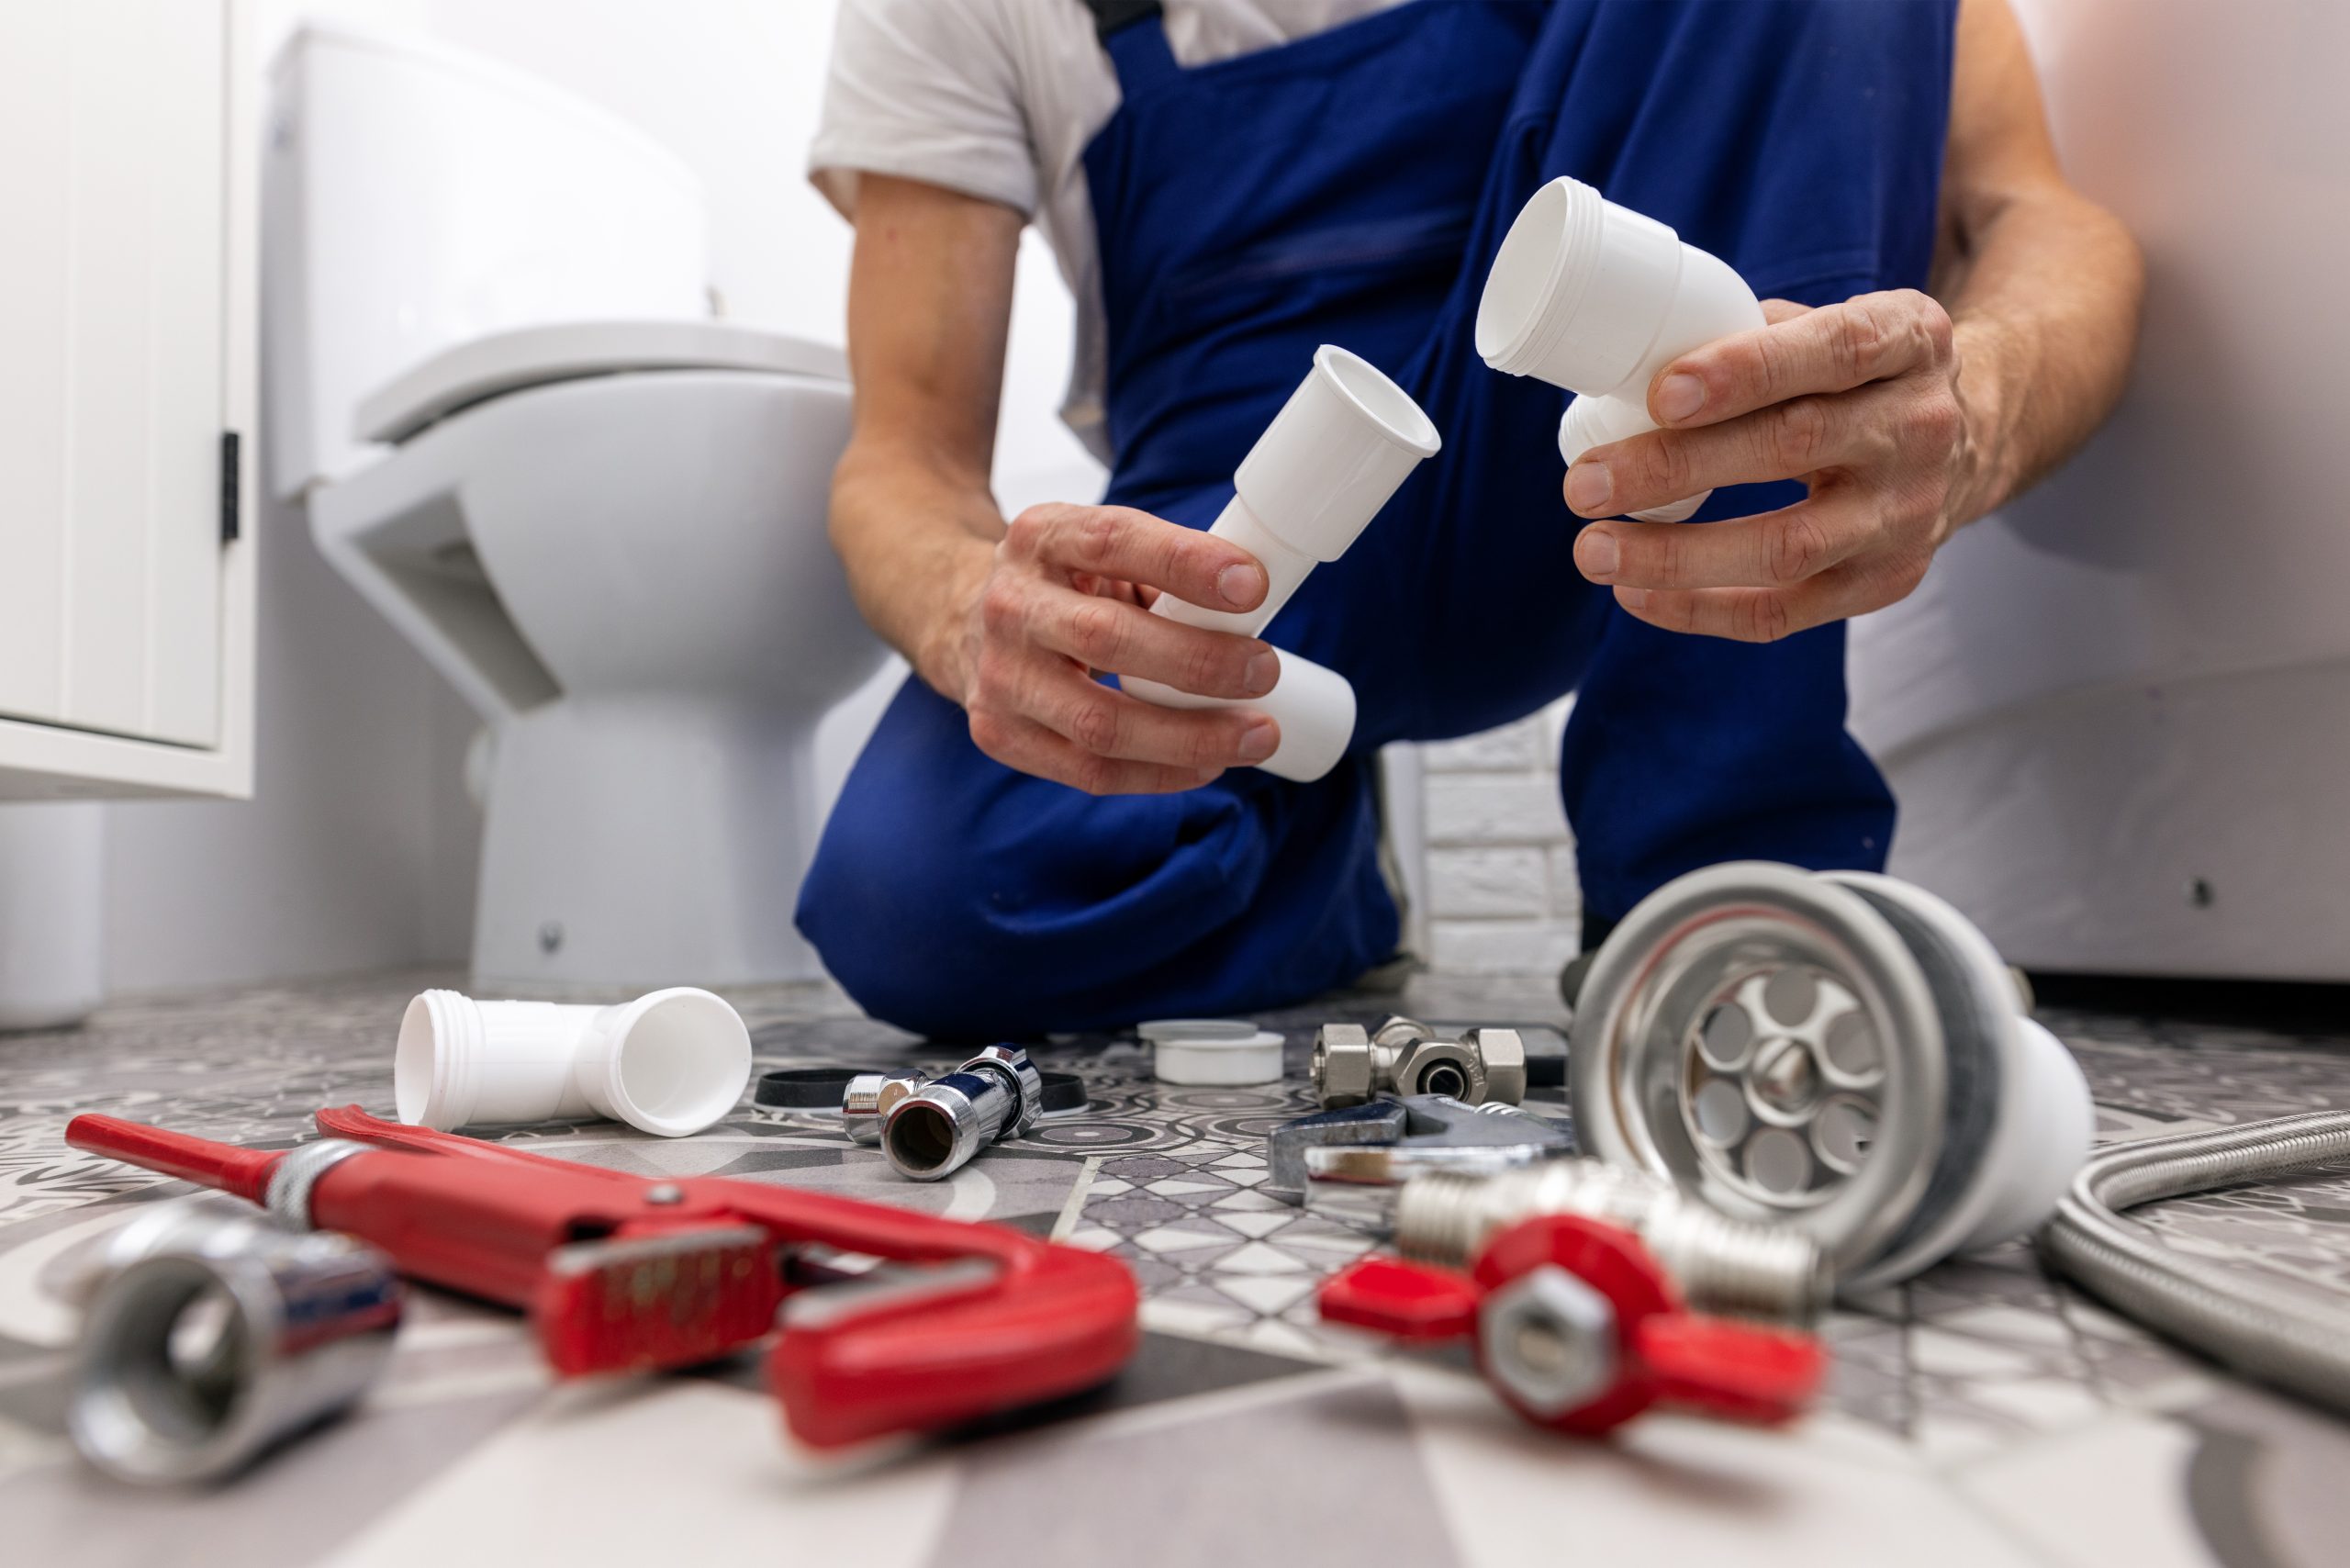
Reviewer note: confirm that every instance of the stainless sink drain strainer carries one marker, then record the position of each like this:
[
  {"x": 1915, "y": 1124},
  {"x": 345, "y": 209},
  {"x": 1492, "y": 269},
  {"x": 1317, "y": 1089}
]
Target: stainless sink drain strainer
[{"x": 1836, "y": 1051}]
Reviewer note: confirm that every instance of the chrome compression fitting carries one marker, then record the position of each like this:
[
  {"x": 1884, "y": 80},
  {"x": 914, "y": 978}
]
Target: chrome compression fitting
[
  {"x": 1721, "y": 1264},
  {"x": 1404, "y": 1057},
  {"x": 2279, "y": 1335},
  {"x": 213, "y": 1335},
  {"x": 931, "y": 1133},
  {"x": 867, "y": 1098}
]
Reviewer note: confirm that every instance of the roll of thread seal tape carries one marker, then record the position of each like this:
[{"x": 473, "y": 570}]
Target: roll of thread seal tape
[{"x": 1212, "y": 1052}]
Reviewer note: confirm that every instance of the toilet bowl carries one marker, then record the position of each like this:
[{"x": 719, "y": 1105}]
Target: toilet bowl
[{"x": 598, "y": 512}]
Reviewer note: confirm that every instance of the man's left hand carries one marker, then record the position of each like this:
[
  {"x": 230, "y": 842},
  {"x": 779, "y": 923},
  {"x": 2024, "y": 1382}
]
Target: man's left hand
[{"x": 1858, "y": 400}]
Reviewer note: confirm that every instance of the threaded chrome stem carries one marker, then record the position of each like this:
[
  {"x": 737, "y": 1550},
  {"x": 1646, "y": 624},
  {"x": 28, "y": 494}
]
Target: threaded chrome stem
[{"x": 1720, "y": 1264}]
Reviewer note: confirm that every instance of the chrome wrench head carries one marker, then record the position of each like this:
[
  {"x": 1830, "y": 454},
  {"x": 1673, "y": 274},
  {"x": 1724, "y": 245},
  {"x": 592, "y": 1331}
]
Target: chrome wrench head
[{"x": 1383, "y": 1142}]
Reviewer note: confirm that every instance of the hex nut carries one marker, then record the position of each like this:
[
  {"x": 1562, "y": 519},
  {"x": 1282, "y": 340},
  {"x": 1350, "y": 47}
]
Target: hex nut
[
  {"x": 1549, "y": 1340},
  {"x": 1026, "y": 1083},
  {"x": 1442, "y": 1060},
  {"x": 1344, "y": 1066},
  {"x": 867, "y": 1098},
  {"x": 1503, "y": 1053}
]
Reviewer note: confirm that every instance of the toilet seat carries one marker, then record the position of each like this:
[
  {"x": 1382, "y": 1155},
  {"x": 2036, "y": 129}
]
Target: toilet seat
[{"x": 483, "y": 368}]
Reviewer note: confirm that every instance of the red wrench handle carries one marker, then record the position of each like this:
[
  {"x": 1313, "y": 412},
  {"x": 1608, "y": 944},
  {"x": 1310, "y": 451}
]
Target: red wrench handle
[
  {"x": 351, "y": 1122},
  {"x": 224, "y": 1167}
]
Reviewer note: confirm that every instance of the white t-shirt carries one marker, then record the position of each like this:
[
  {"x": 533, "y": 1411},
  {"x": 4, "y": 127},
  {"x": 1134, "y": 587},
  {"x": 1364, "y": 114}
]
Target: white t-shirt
[{"x": 998, "y": 99}]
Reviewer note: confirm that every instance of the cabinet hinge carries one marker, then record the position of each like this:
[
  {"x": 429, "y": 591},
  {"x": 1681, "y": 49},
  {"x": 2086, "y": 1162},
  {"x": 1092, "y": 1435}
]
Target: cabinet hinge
[{"x": 231, "y": 520}]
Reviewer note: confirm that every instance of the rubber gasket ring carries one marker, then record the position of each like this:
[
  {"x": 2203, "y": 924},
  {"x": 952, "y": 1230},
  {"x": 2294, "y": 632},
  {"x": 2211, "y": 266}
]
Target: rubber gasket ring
[
  {"x": 1971, "y": 1060},
  {"x": 804, "y": 1088},
  {"x": 819, "y": 1089}
]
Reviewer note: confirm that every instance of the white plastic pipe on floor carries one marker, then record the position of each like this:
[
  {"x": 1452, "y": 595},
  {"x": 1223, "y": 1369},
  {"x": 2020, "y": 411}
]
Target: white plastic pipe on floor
[
  {"x": 1597, "y": 298},
  {"x": 1340, "y": 446},
  {"x": 669, "y": 1063}
]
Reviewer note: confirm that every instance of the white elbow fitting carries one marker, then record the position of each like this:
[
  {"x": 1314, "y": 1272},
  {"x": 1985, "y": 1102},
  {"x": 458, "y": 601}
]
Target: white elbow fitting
[
  {"x": 1597, "y": 298},
  {"x": 1314, "y": 705},
  {"x": 670, "y": 1063},
  {"x": 1340, "y": 446}
]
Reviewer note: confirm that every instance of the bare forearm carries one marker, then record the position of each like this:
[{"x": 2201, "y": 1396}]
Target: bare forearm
[
  {"x": 2042, "y": 283},
  {"x": 929, "y": 306},
  {"x": 2043, "y": 315},
  {"x": 916, "y": 536}
]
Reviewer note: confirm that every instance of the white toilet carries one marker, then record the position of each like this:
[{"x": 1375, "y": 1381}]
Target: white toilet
[{"x": 492, "y": 371}]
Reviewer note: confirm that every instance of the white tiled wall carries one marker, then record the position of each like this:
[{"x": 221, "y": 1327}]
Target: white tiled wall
[{"x": 1502, "y": 893}]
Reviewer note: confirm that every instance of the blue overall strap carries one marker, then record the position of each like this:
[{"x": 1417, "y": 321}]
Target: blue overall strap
[{"x": 1134, "y": 33}]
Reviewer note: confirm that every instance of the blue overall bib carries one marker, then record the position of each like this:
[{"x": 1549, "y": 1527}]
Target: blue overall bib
[{"x": 1351, "y": 188}]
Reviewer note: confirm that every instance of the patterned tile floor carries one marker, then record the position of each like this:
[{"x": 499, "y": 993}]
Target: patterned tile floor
[{"x": 1983, "y": 1413}]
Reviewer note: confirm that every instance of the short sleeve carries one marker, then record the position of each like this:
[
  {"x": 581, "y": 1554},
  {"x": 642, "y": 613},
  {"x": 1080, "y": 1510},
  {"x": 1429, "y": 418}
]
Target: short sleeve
[{"x": 924, "y": 90}]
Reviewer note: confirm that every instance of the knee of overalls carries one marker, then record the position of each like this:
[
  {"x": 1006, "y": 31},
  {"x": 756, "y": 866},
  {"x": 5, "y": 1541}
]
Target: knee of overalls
[{"x": 959, "y": 898}]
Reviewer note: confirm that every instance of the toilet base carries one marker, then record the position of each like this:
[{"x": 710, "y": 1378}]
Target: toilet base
[{"x": 639, "y": 842}]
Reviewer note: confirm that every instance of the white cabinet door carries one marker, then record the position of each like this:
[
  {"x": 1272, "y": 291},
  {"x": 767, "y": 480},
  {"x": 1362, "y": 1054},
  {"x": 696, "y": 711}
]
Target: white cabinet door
[{"x": 123, "y": 326}]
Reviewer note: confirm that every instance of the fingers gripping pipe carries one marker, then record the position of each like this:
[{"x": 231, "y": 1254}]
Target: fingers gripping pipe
[
  {"x": 1340, "y": 446},
  {"x": 1597, "y": 298}
]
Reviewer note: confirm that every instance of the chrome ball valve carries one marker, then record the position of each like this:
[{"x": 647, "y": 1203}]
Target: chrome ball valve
[{"x": 1840, "y": 1052}]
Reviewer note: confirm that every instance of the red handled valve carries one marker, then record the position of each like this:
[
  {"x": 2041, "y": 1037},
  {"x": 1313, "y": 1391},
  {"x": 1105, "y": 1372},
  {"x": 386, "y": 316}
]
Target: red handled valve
[{"x": 1580, "y": 1331}]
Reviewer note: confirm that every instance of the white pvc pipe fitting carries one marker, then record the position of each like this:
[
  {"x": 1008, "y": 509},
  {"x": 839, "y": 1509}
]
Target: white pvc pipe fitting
[
  {"x": 1597, "y": 298},
  {"x": 670, "y": 1063},
  {"x": 1340, "y": 446}
]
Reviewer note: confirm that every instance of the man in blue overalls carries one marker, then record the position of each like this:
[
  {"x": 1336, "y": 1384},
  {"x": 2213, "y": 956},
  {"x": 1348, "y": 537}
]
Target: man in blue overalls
[{"x": 1229, "y": 184}]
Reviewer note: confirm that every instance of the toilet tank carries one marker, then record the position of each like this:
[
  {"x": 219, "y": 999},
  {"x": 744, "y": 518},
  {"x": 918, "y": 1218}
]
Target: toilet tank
[{"x": 416, "y": 197}]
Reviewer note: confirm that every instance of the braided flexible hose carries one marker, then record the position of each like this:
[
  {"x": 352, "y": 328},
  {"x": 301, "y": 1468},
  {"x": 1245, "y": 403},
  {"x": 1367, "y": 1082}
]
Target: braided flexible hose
[{"x": 2267, "y": 1333}]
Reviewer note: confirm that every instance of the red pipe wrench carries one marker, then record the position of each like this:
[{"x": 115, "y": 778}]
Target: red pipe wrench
[{"x": 625, "y": 1274}]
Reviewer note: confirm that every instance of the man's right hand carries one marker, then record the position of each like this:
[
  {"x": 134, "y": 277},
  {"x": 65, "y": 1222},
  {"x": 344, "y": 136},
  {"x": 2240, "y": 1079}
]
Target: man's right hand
[
  {"x": 1063, "y": 596},
  {"x": 1013, "y": 621}
]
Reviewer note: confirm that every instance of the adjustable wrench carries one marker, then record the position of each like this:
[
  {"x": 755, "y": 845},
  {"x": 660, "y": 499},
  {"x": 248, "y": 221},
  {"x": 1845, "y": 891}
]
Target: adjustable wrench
[
  {"x": 621, "y": 1274},
  {"x": 1384, "y": 1142}
]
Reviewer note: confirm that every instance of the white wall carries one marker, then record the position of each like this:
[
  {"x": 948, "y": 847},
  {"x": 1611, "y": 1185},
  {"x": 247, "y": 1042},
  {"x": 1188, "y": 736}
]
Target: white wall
[
  {"x": 358, "y": 850},
  {"x": 1502, "y": 893}
]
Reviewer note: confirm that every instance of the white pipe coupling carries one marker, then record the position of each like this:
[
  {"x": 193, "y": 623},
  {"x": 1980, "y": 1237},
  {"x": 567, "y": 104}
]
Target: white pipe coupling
[
  {"x": 1338, "y": 449},
  {"x": 1597, "y": 298},
  {"x": 670, "y": 1063}
]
